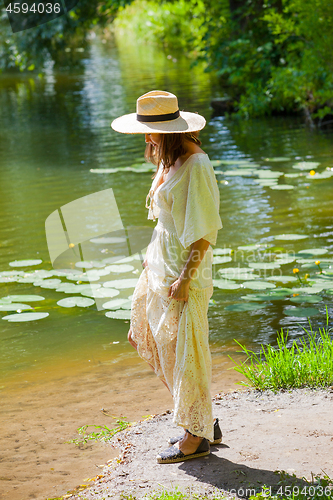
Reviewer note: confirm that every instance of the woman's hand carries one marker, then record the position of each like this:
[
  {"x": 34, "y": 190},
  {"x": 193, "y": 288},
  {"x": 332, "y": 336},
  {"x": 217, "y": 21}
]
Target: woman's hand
[
  {"x": 144, "y": 263},
  {"x": 179, "y": 289}
]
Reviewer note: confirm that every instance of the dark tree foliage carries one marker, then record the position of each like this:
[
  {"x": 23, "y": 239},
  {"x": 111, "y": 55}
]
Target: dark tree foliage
[{"x": 30, "y": 48}]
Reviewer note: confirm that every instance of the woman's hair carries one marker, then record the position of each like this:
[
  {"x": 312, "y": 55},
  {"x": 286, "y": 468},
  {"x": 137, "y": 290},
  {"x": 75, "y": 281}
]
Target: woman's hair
[{"x": 172, "y": 146}]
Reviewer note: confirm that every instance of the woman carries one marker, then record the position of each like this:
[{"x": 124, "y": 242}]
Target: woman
[{"x": 169, "y": 325}]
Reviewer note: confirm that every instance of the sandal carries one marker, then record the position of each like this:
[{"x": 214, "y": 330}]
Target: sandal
[
  {"x": 217, "y": 435},
  {"x": 174, "y": 454}
]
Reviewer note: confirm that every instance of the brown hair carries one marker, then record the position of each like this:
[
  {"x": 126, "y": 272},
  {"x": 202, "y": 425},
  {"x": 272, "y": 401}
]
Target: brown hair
[{"x": 172, "y": 146}]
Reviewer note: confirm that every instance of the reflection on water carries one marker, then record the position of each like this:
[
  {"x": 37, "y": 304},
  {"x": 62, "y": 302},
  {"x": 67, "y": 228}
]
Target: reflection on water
[{"x": 54, "y": 130}]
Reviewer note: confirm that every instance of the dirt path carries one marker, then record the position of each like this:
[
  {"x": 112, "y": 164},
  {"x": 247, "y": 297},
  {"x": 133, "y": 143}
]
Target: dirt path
[{"x": 262, "y": 433}]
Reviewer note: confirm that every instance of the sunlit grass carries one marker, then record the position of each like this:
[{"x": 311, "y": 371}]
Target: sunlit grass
[
  {"x": 307, "y": 363},
  {"x": 101, "y": 432}
]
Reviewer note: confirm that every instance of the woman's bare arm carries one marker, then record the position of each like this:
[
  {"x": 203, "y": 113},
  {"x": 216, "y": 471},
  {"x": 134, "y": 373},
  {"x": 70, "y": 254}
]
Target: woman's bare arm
[{"x": 179, "y": 289}]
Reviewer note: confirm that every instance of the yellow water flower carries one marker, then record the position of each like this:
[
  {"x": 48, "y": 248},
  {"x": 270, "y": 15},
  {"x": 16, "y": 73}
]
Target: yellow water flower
[
  {"x": 317, "y": 262},
  {"x": 312, "y": 172},
  {"x": 295, "y": 294},
  {"x": 295, "y": 270},
  {"x": 71, "y": 245},
  {"x": 306, "y": 276}
]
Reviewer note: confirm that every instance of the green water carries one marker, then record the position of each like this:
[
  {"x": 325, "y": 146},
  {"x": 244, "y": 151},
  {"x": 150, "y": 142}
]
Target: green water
[{"x": 54, "y": 130}]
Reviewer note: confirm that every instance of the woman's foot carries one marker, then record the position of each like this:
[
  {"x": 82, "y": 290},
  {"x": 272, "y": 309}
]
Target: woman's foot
[
  {"x": 188, "y": 448},
  {"x": 217, "y": 435}
]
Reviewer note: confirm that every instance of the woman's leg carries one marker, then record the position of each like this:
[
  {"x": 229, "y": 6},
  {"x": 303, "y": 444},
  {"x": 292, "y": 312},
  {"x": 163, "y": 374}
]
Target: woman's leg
[{"x": 133, "y": 344}]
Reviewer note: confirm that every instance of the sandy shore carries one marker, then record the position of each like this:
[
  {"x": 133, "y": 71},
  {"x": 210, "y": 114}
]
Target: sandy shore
[
  {"x": 262, "y": 433},
  {"x": 36, "y": 420}
]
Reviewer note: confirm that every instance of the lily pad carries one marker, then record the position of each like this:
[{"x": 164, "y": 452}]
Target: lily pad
[
  {"x": 322, "y": 284},
  {"x": 105, "y": 170},
  {"x": 290, "y": 237},
  {"x": 20, "y": 317},
  {"x": 25, "y": 263},
  {"x": 301, "y": 312},
  {"x": 262, "y": 297},
  {"x": 314, "y": 266},
  {"x": 221, "y": 260},
  {"x": 48, "y": 283},
  {"x": 25, "y": 298},
  {"x": 283, "y": 187},
  {"x": 117, "y": 304},
  {"x": 238, "y": 172},
  {"x": 307, "y": 289},
  {"x": 244, "y": 306},
  {"x": 118, "y": 314},
  {"x": 75, "y": 302},
  {"x": 14, "y": 306},
  {"x": 13, "y": 272},
  {"x": 5, "y": 300},
  {"x": 237, "y": 161},
  {"x": 313, "y": 251},
  {"x": 265, "y": 265},
  {"x": 306, "y": 165},
  {"x": 108, "y": 240},
  {"x": 292, "y": 176},
  {"x": 26, "y": 279},
  {"x": 249, "y": 247},
  {"x": 42, "y": 274},
  {"x": 84, "y": 264},
  {"x": 119, "y": 268},
  {"x": 268, "y": 174},
  {"x": 266, "y": 182},
  {"x": 282, "y": 279},
  {"x": 225, "y": 284},
  {"x": 222, "y": 251},
  {"x": 257, "y": 285},
  {"x": 232, "y": 271},
  {"x": 278, "y": 158},
  {"x": 101, "y": 293},
  {"x": 8, "y": 279},
  {"x": 312, "y": 299},
  {"x": 286, "y": 261},
  {"x": 125, "y": 283},
  {"x": 67, "y": 288},
  {"x": 323, "y": 175},
  {"x": 245, "y": 276}
]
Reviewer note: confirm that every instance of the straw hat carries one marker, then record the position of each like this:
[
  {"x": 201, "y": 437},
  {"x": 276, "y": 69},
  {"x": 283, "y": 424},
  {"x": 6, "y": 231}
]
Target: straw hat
[{"x": 157, "y": 112}]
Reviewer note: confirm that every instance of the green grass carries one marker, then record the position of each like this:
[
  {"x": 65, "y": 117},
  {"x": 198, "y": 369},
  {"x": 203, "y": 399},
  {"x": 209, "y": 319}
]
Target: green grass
[
  {"x": 307, "y": 363},
  {"x": 102, "y": 434}
]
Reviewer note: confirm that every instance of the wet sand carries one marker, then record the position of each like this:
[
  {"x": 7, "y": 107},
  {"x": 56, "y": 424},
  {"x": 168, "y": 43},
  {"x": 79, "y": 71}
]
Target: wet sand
[{"x": 36, "y": 421}]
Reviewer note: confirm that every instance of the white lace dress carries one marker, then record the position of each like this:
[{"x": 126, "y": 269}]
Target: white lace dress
[{"x": 172, "y": 335}]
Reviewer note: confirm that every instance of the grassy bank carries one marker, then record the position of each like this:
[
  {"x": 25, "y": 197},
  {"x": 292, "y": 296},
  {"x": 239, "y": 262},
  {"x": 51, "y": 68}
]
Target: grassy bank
[{"x": 307, "y": 363}]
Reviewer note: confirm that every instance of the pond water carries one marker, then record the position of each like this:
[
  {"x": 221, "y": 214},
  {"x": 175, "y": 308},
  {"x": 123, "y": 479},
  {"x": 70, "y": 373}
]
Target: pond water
[{"x": 56, "y": 129}]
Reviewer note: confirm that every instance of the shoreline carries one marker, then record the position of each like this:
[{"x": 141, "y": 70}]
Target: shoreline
[
  {"x": 37, "y": 420},
  {"x": 263, "y": 432}
]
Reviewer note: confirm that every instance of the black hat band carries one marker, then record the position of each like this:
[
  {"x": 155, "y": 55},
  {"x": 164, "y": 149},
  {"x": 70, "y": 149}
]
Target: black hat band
[{"x": 158, "y": 118}]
